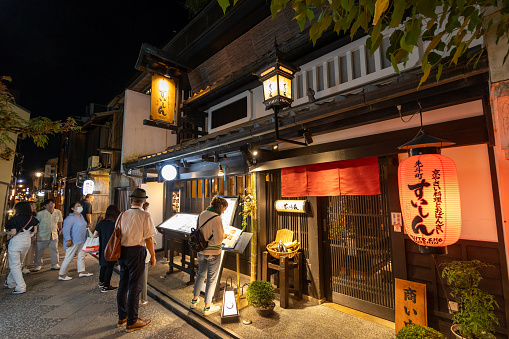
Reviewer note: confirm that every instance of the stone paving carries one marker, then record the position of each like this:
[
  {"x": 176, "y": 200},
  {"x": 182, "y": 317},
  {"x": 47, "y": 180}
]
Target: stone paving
[{"x": 77, "y": 309}]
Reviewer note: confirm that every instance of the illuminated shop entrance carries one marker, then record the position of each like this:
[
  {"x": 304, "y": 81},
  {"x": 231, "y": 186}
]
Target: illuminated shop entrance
[{"x": 357, "y": 254}]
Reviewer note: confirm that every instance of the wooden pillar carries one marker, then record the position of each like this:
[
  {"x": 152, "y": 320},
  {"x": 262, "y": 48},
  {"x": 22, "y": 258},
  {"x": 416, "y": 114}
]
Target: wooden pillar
[
  {"x": 261, "y": 210},
  {"x": 254, "y": 229},
  {"x": 313, "y": 267}
]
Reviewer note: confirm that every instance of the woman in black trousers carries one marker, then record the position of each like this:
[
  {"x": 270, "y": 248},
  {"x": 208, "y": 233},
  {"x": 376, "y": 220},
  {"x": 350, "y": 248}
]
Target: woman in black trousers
[{"x": 104, "y": 230}]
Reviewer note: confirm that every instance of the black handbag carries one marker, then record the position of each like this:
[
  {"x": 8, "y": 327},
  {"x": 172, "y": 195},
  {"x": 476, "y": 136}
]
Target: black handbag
[{"x": 196, "y": 239}]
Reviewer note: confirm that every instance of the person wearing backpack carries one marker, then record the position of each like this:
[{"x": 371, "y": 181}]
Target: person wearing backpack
[{"x": 211, "y": 226}]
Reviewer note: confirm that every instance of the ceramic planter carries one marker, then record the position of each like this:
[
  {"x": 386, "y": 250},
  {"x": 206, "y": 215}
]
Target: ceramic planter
[
  {"x": 266, "y": 311},
  {"x": 456, "y": 327}
]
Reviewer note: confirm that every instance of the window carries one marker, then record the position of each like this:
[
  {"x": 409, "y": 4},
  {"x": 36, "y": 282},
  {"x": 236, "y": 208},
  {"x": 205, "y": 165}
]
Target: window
[
  {"x": 207, "y": 188},
  {"x": 331, "y": 69},
  {"x": 229, "y": 113},
  {"x": 319, "y": 71},
  {"x": 214, "y": 186},
  {"x": 193, "y": 192},
  {"x": 200, "y": 188},
  {"x": 220, "y": 191},
  {"x": 231, "y": 185},
  {"x": 188, "y": 189}
]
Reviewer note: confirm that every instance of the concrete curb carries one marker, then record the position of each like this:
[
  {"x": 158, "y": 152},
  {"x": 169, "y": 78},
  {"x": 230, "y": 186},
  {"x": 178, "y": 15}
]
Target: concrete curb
[{"x": 205, "y": 326}]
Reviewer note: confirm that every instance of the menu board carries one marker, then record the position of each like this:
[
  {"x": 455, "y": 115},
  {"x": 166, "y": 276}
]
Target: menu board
[
  {"x": 182, "y": 222},
  {"x": 229, "y": 215}
]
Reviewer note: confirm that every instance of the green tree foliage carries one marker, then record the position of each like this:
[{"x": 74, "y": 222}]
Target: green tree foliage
[
  {"x": 38, "y": 129},
  {"x": 449, "y": 26}
]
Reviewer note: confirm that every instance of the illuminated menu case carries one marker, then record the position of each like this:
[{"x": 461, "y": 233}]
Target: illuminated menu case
[{"x": 175, "y": 202}]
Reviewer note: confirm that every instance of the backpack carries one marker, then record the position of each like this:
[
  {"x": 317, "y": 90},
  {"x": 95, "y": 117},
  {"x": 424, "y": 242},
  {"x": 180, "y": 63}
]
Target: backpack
[{"x": 196, "y": 239}]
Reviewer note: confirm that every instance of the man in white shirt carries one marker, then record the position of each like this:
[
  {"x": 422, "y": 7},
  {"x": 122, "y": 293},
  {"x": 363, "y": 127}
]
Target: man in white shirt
[
  {"x": 138, "y": 230},
  {"x": 50, "y": 226}
]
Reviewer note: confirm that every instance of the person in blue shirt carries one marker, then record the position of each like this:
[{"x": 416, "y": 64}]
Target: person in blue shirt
[{"x": 75, "y": 235}]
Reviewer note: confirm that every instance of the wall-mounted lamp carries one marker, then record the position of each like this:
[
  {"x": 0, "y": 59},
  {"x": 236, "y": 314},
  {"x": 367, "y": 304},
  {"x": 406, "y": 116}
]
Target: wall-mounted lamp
[
  {"x": 308, "y": 139},
  {"x": 222, "y": 170}
]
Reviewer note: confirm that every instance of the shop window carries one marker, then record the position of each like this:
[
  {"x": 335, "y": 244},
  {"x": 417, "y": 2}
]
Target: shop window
[
  {"x": 319, "y": 73},
  {"x": 331, "y": 68},
  {"x": 188, "y": 189},
  {"x": 300, "y": 86},
  {"x": 309, "y": 78},
  {"x": 193, "y": 192},
  {"x": 248, "y": 181},
  {"x": 240, "y": 185},
  {"x": 214, "y": 186},
  {"x": 220, "y": 190},
  {"x": 356, "y": 63},
  {"x": 231, "y": 185},
  {"x": 200, "y": 188},
  {"x": 343, "y": 70},
  {"x": 207, "y": 188},
  {"x": 235, "y": 111},
  {"x": 370, "y": 61}
]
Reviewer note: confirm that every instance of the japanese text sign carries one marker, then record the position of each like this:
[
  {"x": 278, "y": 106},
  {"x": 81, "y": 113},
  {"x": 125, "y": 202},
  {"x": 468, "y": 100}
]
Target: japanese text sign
[
  {"x": 88, "y": 187},
  {"x": 410, "y": 303},
  {"x": 295, "y": 206},
  {"x": 162, "y": 99},
  {"x": 430, "y": 200}
]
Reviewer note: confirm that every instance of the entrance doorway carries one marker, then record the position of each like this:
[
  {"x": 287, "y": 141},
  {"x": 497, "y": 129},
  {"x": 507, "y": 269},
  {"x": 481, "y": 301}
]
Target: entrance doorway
[{"x": 357, "y": 252}]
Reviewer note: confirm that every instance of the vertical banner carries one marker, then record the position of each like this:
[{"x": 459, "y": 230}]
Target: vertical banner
[
  {"x": 162, "y": 99},
  {"x": 410, "y": 304}
]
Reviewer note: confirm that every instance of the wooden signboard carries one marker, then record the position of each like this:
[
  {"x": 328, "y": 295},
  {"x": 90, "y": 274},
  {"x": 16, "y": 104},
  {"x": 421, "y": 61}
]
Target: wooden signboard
[
  {"x": 410, "y": 304},
  {"x": 162, "y": 99}
]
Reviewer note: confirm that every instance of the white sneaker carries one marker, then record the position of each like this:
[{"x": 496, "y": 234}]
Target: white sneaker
[
  {"x": 18, "y": 292},
  {"x": 65, "y": 278},
  {"x": 86, "y": 275},
  {"x": 211, "y": 309},
  {"x": 55, "y": 267},
  {"x": 6, "y": 285},
  {"x": 25, "y": 270},
  {"x": 37, "y": 268},
  {"x": 194, "y": 303}
]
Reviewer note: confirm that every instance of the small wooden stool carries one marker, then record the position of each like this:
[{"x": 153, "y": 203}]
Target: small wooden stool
[{"x": 284, "y": 265}]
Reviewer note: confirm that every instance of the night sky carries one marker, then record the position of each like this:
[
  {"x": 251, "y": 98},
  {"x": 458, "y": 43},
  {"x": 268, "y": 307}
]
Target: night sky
[{"x": 63, "y": 55}]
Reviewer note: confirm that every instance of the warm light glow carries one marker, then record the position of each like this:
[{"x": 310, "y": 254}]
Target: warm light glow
[
  {"x": 430, "y": 200},
  {"x": 38, "y": 174},
  {"x": 169, "y": 172},
  {"x": 255, "y": 153},
  {"x": 220, "y": 172},
  {"x": 285, "y": 87},
  {"x": 41, "y": 194},
  {"x": 162, "y": 99},
  {"x": 267, "y": 71},
  {"x": 274, "y": 147},
  {"x": 270, "y": 87}
]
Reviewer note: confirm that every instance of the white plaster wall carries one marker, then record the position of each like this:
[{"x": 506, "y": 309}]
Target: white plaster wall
[
  {"x": 476, "y": 194},
  {"x": 139, "y": 139},
  {"x": 155, "y": 199}
]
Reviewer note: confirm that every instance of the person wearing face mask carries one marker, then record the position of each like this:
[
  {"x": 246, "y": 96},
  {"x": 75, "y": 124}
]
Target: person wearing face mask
[{"x": 74, "y": 234}]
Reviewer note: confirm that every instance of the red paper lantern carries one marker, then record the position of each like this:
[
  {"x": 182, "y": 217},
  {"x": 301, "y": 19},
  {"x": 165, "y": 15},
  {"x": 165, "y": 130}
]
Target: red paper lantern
[{"x": 430, "y": 200}]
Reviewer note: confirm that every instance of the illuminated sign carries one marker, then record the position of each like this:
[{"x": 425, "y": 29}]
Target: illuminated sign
[
  {"x": 88, "y": 187},
  {"x": 430, "y": 200},
  {"x": 295, "y": 206},
  {"x": 162, "y": 99}
]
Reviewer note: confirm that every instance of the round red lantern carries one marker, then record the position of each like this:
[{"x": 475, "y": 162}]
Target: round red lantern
[{"x": 430, "y": 200}]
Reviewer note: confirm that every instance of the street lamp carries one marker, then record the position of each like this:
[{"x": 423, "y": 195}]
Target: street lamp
[
  {"x": 276, "y": 78},
  {"x": 38, "y": 174}
]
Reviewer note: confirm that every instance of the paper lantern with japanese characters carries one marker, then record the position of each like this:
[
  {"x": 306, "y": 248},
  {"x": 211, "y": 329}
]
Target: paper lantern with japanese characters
[{"x": 430, "y": 200}]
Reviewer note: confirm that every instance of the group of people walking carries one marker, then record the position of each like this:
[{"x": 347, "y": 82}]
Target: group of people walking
[{"x": 137, "y": 246}]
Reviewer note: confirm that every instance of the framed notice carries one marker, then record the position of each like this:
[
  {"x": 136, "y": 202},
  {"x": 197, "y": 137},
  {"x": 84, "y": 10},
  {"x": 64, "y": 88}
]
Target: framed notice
[{"x": 410, "y": 303}]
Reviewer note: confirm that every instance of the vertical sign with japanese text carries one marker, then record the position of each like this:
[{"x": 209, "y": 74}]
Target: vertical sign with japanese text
[
  {"x": 410, "y": 304},
  {"x": 162, "y": 99}
]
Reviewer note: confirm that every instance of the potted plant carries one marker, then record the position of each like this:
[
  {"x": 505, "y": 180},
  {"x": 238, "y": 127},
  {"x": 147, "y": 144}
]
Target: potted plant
[
  {"x": 414, "y": 331},
  {"x": 260, "y": 295},
  {"x": 475, "y": 317}
]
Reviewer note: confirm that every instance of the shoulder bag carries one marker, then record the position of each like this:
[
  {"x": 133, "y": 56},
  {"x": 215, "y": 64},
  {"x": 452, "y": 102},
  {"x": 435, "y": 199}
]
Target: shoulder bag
[
  {"x": 21, "y": 230},
  {"x": 196, "y": 239},
  {"x": 113, "y": 249}
]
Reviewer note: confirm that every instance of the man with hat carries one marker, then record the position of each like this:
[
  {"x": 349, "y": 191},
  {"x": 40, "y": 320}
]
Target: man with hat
[{"x": 137, "y": 229}]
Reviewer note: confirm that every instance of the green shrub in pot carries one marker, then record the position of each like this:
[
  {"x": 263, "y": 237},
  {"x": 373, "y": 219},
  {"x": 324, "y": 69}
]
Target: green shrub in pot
[
  {"x": 260, "y": 294},
  {"x": 475, "y": 316},
  {"x": 418, "y": 332}
]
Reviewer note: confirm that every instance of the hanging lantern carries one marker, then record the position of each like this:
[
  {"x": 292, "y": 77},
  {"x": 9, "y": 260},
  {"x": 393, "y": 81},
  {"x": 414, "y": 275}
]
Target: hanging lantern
[
  {"x": 276, "y": 78},
  {"x": 429, "y": 195}
]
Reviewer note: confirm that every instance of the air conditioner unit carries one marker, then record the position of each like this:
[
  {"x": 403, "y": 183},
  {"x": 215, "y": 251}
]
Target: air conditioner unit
[{"x": 93, "y": 161}]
